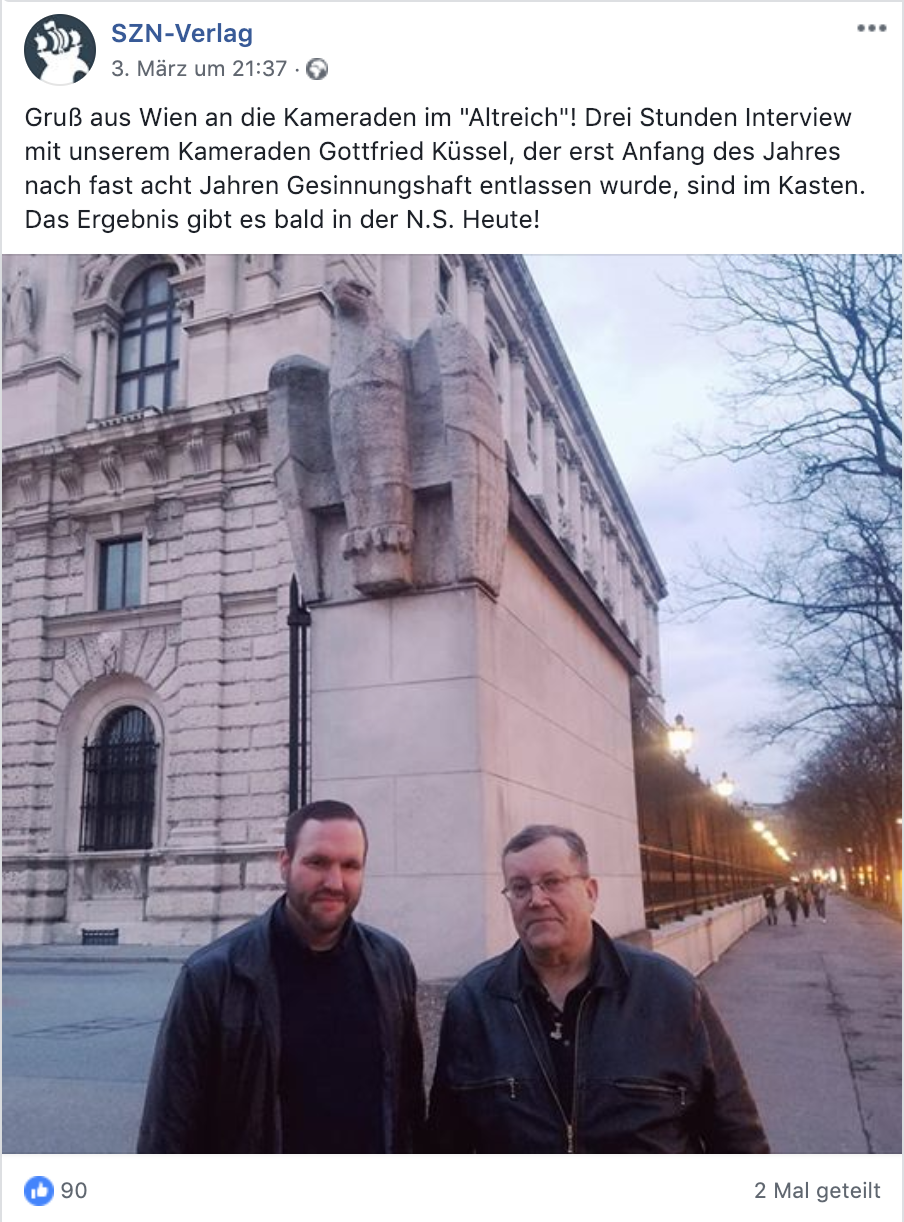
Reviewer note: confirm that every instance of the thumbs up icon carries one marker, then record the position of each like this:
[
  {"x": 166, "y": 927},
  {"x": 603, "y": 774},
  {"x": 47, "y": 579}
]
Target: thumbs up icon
[{"x": 39, "y": 1190}]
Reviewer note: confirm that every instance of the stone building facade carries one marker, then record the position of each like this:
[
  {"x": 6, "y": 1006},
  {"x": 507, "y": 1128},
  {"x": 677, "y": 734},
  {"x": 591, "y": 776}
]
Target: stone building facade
[{"x": 475, "y": 664}]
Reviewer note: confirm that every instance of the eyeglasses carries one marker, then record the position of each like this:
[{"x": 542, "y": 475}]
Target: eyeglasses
[{"x": 520, "y": 889}]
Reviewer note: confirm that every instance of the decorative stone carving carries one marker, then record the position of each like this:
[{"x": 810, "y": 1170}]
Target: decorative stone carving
[
  {"x": 109, "y": 648},
  {"x": 70, "y": 473},
  {"x": 111, "y": 466},
  {"x": 113, "y": 880},
  {"x": 185, "y": 303},
  {"x": 197, "y": 447},
  {"x": 30, "y": 484},
  {"x": 368, "y": 401},
  {"x": 476, "y": 271},
  {"x": 19, "y": 308},
  {"x": 247, "y": 440},
  {"x": 78, "y": 531},
  {"x": 452, "y": 379},
  {"x": 154, "y": 458},
  {"x": 94, "y": 273},
  {"x": 388, "y": 420}
]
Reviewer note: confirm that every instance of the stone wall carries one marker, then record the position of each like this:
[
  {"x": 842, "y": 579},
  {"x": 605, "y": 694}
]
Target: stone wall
[{"x": 477, "y": 682}]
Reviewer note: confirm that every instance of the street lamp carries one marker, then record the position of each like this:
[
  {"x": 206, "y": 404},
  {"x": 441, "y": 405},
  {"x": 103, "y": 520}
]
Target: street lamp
[
  {"x": 681, "y": 737},
  {"x": 725, "y": 786}
]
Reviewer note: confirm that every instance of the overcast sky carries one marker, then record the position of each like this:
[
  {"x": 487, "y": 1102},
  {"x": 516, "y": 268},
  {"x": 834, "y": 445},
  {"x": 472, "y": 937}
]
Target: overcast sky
[{"x": 647, "y": 374}]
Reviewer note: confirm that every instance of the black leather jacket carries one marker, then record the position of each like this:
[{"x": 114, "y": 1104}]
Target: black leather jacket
[
  {"x": 655, "y": 1071},
  {"x": 213, "y": 1087}
]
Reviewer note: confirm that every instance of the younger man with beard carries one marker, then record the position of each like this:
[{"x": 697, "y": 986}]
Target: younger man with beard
[{"x": 297, "y": 1032}]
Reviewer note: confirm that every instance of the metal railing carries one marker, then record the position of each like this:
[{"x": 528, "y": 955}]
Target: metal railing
[{"x": 698, "y": 852}]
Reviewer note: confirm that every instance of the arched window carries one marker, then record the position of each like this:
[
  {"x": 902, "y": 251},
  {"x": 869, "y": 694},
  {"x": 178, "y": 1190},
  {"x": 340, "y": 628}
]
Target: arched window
[
  {"x": 118, "y": 785},
  {"x": 148, "y": 343}
]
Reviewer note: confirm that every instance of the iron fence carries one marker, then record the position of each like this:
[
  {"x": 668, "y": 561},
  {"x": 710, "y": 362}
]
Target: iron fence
[{"x": 698, "y": 852}]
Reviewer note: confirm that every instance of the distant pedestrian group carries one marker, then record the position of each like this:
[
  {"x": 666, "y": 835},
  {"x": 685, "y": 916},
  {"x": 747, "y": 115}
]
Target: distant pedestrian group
[{"x": 798, "y": 896}]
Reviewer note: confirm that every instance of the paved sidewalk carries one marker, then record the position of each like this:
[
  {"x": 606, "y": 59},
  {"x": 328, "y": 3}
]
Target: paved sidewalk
[{"x": 815, "y": 1013}]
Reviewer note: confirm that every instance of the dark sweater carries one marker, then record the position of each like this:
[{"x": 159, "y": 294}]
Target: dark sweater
[{"x": 331, "y": 1065}]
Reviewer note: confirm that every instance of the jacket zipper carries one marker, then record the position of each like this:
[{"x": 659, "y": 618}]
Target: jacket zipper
[
  {"x": 652, "y": 1088},
  {"x": 569, "y": 1124},
  {"x": 574, "y": 1085}
]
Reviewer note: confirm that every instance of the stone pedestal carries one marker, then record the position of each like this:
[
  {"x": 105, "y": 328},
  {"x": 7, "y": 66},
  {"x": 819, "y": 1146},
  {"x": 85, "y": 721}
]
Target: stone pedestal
[{"x": 475, "y": 688}]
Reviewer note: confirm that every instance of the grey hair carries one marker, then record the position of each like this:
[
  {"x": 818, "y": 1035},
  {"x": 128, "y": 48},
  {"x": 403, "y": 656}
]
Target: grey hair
[{"x": 536, "y": 832}]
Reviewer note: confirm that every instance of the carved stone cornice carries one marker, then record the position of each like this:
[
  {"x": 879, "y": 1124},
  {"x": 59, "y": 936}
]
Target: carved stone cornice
[{"x": 97, "y": 314}]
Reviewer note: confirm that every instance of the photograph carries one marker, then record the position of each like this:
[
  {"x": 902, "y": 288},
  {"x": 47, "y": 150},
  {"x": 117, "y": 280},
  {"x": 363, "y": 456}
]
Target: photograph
[{"x": 451, "y": 703}]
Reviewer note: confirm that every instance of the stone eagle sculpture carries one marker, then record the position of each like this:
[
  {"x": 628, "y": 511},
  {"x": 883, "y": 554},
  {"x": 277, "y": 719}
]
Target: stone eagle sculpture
[{"x": 405, "y": 442}]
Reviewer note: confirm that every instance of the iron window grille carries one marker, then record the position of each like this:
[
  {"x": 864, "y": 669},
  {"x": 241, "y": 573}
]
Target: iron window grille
[{"x": 119, "y": 784}]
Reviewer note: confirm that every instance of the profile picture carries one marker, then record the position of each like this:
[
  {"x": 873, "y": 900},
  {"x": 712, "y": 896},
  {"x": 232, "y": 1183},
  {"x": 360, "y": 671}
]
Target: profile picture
[{"x": 60, "y": 49}]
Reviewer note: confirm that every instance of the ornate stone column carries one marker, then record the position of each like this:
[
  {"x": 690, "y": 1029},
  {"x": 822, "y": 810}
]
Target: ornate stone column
[{"x": 103, "y": 374}]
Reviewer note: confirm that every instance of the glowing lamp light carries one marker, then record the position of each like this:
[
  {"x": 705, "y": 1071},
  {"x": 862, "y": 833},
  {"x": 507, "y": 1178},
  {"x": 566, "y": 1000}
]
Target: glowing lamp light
[
  {"x": 759, "y": 826},
  {"x": 725, "y": 786},
  {"x": 681, "y": 736}
]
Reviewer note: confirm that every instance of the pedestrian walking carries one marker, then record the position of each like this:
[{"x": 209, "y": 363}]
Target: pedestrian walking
[
  {"x": 819, "y": 899},
  {"x": 804, "y": 895},
  {"x": 771, "y": 905},
  {"x": 791, "y": 901}
]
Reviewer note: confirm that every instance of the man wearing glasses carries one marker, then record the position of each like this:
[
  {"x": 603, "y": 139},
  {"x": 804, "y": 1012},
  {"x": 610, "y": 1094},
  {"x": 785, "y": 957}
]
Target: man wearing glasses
[
  {"x": 298, "y": 1031},
  {"x": 570, "y": 1044}
]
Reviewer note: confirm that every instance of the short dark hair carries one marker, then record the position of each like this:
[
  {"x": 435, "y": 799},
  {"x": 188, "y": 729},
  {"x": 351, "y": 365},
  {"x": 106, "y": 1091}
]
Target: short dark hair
[
  {"x": 536, "y": 832},
  {"x": 323, "y": 811}
]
